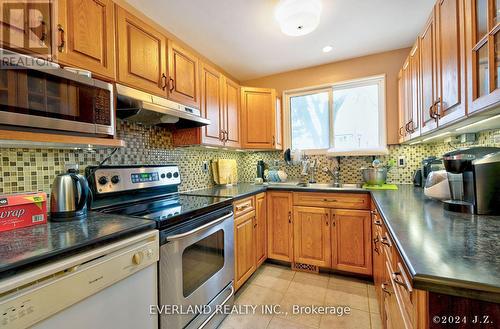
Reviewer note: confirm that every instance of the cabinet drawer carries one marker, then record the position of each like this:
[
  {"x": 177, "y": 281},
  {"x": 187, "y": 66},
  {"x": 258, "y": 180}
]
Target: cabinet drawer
[
  {"x": 403, "y": 289},
  {"x": 387, "y": 247},
  {"x": 332, "y": 200},
  {"x": 244, "y": 206}
]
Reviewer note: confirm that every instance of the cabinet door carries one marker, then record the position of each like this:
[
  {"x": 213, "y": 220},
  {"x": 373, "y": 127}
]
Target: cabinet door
[
  {"x": 258, "y": 118},
  {"x": 483, "y": 54},
  {"x": 401, "y": 107},
  {"x": 141, "y": 54},
  {"x": 414, "y": 66},
  {"x": 232, "y": 113},
  {"x": 26, "y": 27},
  {"x": 279, "y": 124},
  {"x": 451, "y": 56},
  {"x": 311, "y": 236},
  {"x": 408, "y": 100},
  {"x": 89, "y": 35},
  {"x": 183, "y": 76},
  {"x": 351, "y": 241},
  {"x": 428, "y": 76},
  {"x": 261, "y": 228},
  {"x": 244, "y": 252},
  {"x": 211, "y": 105},
  {"x": 280, "y": 226}
]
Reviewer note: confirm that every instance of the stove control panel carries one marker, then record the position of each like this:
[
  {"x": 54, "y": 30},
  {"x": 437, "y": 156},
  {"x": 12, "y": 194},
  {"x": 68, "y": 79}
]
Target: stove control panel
[{"x": 119, "y": 179}]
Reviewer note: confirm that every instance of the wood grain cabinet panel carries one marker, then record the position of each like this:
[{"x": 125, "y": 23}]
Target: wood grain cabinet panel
[
  {"x": 212, "y": 105},
  {"x": 351, "y": 241},
  {"x": 232, "y": 113},
  {"x": 451, "y": 60},
  {"x": 332, "y": 200},
  {"x": 183, "y": 70},
  {"x": 260, "y": 228},
  {"x": 258, "y": 118},
  {"x": 415, "y": 110},
  {"x": 244, "y": 248},
  {"x": 89, "y": 35},
  {"x": 311, "y": 236},
  {"x": 141, "y": 54},
  {"x": 280, "y": 226}
]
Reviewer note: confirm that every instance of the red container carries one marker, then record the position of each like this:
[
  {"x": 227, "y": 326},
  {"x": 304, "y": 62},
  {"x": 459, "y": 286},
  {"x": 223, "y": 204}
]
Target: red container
[{"x": 23, "y": 209}]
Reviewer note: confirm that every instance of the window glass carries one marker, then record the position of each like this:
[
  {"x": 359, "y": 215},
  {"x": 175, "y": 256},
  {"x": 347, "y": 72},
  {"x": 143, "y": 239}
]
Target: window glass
[
  {"x": 310, "y": 123},
  {"x": 356, "y": 117}
]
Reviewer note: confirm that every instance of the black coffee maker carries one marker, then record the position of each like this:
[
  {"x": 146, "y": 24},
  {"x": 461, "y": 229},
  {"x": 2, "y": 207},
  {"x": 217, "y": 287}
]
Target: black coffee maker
[{"x": 473, "y": 176}]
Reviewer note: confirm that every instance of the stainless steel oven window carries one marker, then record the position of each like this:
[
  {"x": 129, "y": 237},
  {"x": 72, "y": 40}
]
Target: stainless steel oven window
[{"x": 201, "y": 260}]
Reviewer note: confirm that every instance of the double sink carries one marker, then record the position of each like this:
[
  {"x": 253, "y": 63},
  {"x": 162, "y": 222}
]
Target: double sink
[{"x": 316, "y": 186}]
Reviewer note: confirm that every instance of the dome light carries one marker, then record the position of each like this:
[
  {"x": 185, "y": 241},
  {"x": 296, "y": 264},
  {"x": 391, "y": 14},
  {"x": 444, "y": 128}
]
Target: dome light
[{"x": 298, "y": 17}]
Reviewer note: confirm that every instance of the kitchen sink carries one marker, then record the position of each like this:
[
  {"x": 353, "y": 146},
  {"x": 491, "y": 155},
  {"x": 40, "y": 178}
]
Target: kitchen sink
[{"x": 321, "y": 186}]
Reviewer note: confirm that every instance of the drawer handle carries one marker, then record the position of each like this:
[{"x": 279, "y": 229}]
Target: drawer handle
[
  {"x": 242, "y": 207},
  {"x": 383, "y": 285},
  {"x": 329, "y": 200},
  {"x": 62, "y": 42},
  {"x": 395, "y": 278},
  {"x": 385, "y": 241},
  {"x": 378, "y": 223}
]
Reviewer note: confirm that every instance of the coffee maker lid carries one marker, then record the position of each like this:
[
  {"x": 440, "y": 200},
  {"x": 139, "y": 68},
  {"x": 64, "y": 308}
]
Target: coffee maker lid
[
  {"x": 489, "y": 158},
  {"x": 471, "y": 153}
]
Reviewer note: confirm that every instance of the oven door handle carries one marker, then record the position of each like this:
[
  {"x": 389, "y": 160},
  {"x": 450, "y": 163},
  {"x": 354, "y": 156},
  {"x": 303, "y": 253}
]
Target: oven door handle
[
  {"x": 214, "y": 313},
  {"x": 198, "y": 229}
]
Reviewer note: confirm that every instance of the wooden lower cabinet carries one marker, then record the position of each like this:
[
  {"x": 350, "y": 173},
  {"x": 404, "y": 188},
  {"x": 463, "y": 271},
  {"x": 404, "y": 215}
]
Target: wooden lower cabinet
[
  {"x": 311, "y": 236},
  {"x": 279, "y": 226},
  {"x": 244, "y": 251},
  {"x": 351, "y": 241},
  {"x": 250, "y": 234},
  {"x": 261, "y": 228}
]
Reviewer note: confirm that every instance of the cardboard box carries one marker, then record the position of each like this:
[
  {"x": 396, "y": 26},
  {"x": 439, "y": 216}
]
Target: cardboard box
[{"x": 21, "y": 210}]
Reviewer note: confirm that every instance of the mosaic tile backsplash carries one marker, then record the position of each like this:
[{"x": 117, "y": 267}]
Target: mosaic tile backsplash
[{"x": 25, "y": 170}]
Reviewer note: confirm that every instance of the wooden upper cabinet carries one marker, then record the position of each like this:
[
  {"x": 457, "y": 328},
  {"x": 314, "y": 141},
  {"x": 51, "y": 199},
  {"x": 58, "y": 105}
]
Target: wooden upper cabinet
[
  {"x": 26, "y": 27},
  {"x": 142, "y": 60},
  {"x": 483, "y": 54},
  {"x": 451, "y": 101},
  {"x": 212, "y": 105},
  {"x": 401, "y": 107},
  {"x": 244, "y": 249},
  {"x": 414, "y": 113},
  {"x": 428, "y": 76},
  {"x": 260, "y": 228},
  {"x": 258, "y": 118},
  {"x": 86, "y": 35},
  {"x": 279, "y": 124},
  {"x": 311, "y": 236},
  {"x": 232, "y": 113},
  {"x": 280, "y": 226},
  {"x": 183, "y": 73},
  {"x": 351, "y": 241}
]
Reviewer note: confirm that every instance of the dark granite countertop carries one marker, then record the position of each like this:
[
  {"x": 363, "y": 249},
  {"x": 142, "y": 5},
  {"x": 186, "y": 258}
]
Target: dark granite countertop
[
  {"x": 445, "y": 252},
  {"x": 29, "y": 245}
]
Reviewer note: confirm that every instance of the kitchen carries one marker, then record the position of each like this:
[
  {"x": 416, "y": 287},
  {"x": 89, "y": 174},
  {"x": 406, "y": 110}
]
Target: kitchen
[{"x": 308, "y": 164}]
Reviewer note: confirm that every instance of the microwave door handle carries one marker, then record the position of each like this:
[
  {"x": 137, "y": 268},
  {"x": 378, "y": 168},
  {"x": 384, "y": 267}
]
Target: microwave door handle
[
  {"x": 214, "y": 313},
  {"x": 198, "y": 229}
]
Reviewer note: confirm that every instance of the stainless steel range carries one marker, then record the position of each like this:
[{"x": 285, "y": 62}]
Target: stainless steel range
[{"x": 196, "y": 238}]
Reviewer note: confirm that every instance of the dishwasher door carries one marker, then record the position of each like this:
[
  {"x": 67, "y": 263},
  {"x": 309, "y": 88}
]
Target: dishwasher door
[{"x": 112, "y": 286}]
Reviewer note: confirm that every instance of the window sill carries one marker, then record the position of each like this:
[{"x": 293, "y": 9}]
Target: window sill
[{"x": 359, "y": 152}]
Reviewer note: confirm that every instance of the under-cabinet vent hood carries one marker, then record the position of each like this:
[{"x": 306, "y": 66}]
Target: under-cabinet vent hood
[{"x": 137, "y": 106}]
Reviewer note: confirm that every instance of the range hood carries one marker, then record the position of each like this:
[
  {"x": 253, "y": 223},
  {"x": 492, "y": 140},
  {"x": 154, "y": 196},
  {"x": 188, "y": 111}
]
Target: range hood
[{"x": 137, "y": 106}]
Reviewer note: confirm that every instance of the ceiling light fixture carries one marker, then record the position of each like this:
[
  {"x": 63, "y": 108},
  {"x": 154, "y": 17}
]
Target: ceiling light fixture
[
  {"x": 327, "y": 49},
  {"x": 298, "y": 17}
]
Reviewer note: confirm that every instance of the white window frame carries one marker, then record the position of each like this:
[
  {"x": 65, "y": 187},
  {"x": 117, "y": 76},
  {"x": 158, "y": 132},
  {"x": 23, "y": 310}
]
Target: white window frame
[{"x": 331, "y": 87}]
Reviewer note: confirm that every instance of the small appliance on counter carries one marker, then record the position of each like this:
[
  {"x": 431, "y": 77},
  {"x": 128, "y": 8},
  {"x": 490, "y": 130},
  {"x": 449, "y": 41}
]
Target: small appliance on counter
[
  {"x": 260, "y": 169},
  {"x": 22, "y": 209},
  {"x": 474, "y": 180},
  {"x": 437, "y": 185},
  {"x": 417, "y": 178},
  {"x": 430, "y": 164},
  {"x": 225, "y": 171},
  {"x": 69, "y": 196}
]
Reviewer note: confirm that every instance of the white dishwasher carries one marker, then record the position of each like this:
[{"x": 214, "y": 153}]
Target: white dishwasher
[{"x": 111, "y": 286}]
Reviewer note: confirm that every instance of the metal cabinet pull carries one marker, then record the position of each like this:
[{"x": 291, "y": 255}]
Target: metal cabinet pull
[
  {"x": 62, "y": 44},
  {"x": 290, "y": 217},
  {"x": 201, "y": 228},
  {"x": 383, "y": 285},
  {"x": 385, "y": 240},
  {"x": 395, "y": 278},
  {"x": 431, "y": 111},
  {"x": 378, "y": 223},
  {"x": 164, "y": 80},
  {"x": 329, "y": 200},
  {"x": 274, "y": 140},
  {"x": 171, "y": 83}
]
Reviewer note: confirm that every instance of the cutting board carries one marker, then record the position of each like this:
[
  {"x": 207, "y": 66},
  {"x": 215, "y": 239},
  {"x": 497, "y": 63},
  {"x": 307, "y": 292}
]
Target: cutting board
[{"x": 380, "y": 187}]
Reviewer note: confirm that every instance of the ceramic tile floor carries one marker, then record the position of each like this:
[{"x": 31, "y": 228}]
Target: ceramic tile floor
[{"x": 274, "y": 284}]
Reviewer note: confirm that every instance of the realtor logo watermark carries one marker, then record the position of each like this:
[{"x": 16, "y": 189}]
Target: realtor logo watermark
[{"x": 25, "y": 28}]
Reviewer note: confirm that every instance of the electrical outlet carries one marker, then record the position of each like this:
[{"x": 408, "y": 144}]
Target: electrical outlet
[
  {"x": 205, "y": 167},
  {"x": 496, "y": 138},
  {"x": 401, "y": 161}
]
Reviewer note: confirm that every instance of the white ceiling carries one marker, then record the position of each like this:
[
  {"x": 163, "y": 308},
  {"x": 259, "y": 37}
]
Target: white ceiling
[{"x": 243, "y": 37}]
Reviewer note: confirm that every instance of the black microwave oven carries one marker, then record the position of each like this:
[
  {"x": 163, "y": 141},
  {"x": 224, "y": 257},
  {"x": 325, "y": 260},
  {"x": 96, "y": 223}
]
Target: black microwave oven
[{"x": 39, "y": 94}]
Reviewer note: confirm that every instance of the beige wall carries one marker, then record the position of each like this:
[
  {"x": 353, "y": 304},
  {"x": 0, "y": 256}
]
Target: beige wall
[{"x": 387, "y": 63}]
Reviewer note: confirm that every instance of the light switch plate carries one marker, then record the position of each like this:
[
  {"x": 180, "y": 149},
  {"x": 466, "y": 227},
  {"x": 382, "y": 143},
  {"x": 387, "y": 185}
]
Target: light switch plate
[
  {"x": 401, "y": 161},
  {"x": 205, "y": 167}
]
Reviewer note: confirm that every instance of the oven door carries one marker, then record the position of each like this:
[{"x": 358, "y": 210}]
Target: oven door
[{"x": 196, "y": 267}]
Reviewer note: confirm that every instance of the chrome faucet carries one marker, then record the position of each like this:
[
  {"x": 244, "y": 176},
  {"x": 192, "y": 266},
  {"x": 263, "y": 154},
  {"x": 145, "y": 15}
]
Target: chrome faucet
[{"x": 334, "y": 173}]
